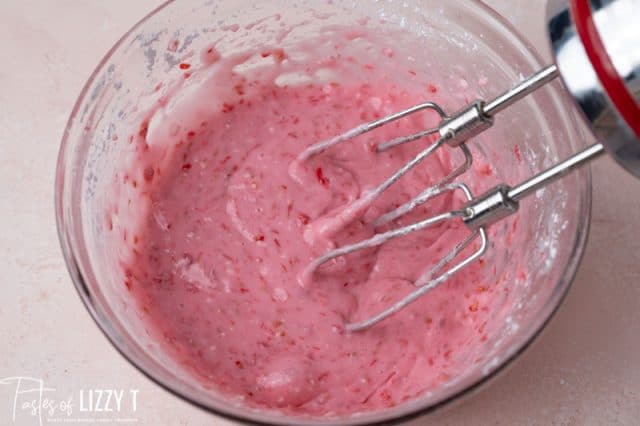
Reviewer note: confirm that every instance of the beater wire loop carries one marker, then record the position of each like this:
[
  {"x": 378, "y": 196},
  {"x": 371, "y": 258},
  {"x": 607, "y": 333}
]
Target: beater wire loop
[
  {"x": 429, "y": 193},
  {"x": 423, "y": 288},
  {"x": 367, "y": 127}
]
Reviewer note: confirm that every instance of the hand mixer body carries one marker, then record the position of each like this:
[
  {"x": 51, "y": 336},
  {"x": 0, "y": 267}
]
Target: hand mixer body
[
  {"x": 596, "y": 45},
  {"x": 597, "y": 51}
]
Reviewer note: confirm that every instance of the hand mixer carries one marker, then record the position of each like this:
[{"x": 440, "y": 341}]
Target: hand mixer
[{"x": 597, "y": 53}]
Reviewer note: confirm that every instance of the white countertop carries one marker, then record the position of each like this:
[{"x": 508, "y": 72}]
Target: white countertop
[{"x": 583, "y": 370}]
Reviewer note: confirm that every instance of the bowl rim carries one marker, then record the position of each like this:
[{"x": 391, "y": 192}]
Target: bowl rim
[{"x": 69, "y": 255}]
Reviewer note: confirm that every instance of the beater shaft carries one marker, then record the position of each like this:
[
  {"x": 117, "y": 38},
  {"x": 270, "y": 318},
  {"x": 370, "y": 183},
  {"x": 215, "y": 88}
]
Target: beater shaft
[
  {"x": 521, "y": 90},
  {"x": 556, "y": 172},
  {"x": 502, "y": 200},
  {"x": 478, "y": 117}
]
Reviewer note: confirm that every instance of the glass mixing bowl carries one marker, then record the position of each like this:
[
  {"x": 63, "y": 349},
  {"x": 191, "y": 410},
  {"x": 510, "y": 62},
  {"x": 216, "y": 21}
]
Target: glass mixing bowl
[{"x": 457, "y": 41}]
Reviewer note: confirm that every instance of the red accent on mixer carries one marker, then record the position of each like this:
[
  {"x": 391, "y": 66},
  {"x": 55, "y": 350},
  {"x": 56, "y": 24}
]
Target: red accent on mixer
[{"x": 613, "y": 84}]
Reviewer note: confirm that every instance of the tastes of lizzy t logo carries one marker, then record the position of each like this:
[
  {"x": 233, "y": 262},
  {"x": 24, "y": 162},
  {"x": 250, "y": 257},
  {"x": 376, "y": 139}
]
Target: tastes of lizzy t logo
[{"x": 29, "y": 401}]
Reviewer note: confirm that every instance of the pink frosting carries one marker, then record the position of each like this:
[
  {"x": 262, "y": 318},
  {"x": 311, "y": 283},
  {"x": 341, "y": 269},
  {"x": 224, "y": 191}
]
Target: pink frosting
[{"x": 221, "y": 244}]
